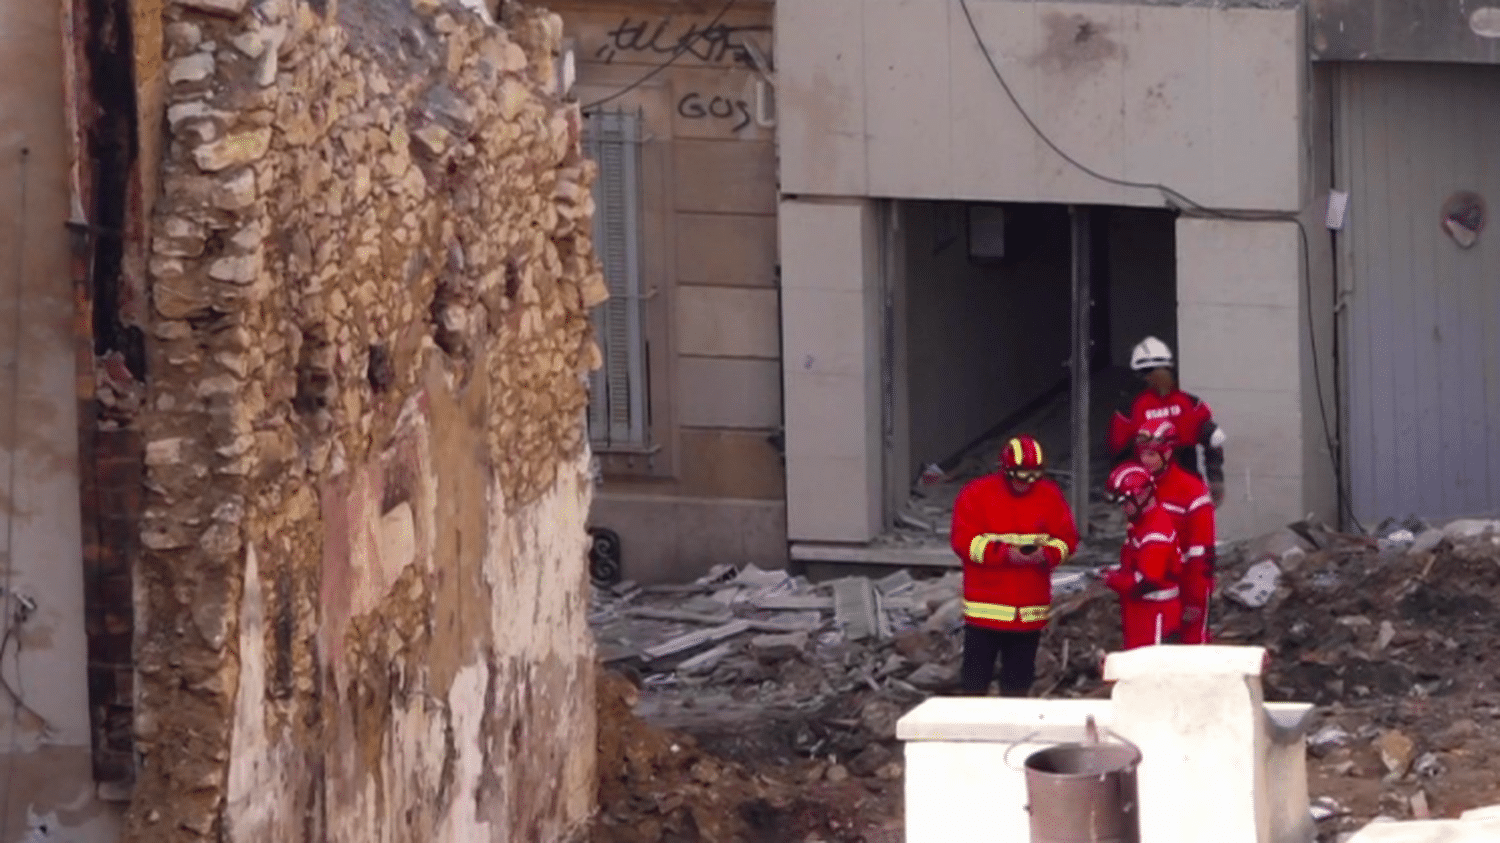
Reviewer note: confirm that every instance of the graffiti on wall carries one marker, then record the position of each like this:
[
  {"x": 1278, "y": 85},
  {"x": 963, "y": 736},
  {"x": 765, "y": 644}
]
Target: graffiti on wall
[
  {"x": 716, "y": 43},
  {"x": 696, "y": 105}
]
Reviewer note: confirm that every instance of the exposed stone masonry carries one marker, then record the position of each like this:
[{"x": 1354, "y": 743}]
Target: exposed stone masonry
[{"x": 372, "y": 212}]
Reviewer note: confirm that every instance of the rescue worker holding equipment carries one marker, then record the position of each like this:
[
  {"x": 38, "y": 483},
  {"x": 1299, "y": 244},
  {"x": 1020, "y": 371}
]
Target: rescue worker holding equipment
[
  {"x": 1150, "y": 562},
  {"x": 1163, "y": 401},
  {"x": 1186, "y": 497},
  {"x": 1011, "y": 529}
]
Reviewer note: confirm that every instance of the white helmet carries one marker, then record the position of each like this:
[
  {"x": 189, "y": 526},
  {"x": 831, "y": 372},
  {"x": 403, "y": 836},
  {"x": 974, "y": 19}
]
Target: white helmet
[{"x": 1150, "y": 353}]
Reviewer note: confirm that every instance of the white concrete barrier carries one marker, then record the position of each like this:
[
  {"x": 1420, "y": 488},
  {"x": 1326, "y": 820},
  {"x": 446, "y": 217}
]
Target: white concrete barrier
[
  {"x": 960, "y": 785},
  {"x": 1218, "y": 763},
  {"x": 1430, "y": 831}
]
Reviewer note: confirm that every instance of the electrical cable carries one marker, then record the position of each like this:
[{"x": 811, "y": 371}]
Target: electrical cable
[
  {"x": 682, "y": 48},
  {"x": 1183, "y": 202}
]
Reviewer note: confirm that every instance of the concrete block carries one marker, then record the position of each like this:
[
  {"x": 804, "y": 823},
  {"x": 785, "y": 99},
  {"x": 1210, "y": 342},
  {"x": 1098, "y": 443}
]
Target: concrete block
[
  {"x": 1429, "y": 831},
  {"x": 731, "y": 249},
  {"x": 1166, "y": 134},
  {"x": 1257, "y": 502},
  {"x": 907, "y": 102},
  {"x": 825, "y": 332},
  {"x": 1199, "y": 716},
  {"x": 1263, "y": 430},
  {"x": 728, "y": 322},
  {"x": 995, "y": 150},
  {"x": 1078, "y": 60},
  {"x": 832, "y": 498},
  {"x": 820, "y": 96},
  {"x": 823, "y": 244},
  {"x": 965, "y": 755},
  {"x": 729, "y": 463},
  {"x": 824, "y": 415},
  {"x": 964, "y": 758},
  {"x": 728, "y": 392},
  {"x": 1257, "y": 108},
  {"x": 1212, "y": 341},
  {"x": 724, "y": 178},
  {"x": 1238, "y": 263}
]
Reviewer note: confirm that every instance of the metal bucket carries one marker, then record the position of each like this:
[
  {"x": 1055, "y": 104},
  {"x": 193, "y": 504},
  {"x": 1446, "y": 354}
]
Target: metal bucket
[{"x": 1083, "y": 793}]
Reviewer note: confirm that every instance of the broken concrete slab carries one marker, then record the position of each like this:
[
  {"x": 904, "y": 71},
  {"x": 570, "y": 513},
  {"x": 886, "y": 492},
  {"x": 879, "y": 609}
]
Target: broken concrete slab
[
  {"x": 788, "y": 622},
  {"x": 777, "y": 647},
  {"x": 1468, "y": 529},
  {"x": 675, "y": 615},
  {"x": 1429, "y": 831},
  {"x": 854, "y": 607},
  {"x": 705, "y": 660},
  {"x": 1254, "y": 590},
  {"x": 900, "y": 582},
  {"x": 698, "y": 638},
  {"x": 1426, "y": 540},
  {"x": 933, "y": 677},
  {"x": 792, "y": 601}
]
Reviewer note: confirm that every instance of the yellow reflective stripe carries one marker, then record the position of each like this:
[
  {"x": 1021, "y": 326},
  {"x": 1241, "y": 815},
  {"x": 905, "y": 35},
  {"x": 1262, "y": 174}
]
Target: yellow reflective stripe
[
  {"x": 1034, "y": 613},
  {"x": 1015, "y": 451},
  {"x": 1060, "y": 545},
  {"x": 1022, "y": 538},
  {"x": 977, "y": 546},
  {"x": 1041, "y": 459},
  {"x": 989, "y": 611},
  {"x": 999, "y": 612}
]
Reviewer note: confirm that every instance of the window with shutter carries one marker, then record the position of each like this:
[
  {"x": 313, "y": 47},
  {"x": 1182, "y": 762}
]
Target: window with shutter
[{"x": 617, "y": 390}]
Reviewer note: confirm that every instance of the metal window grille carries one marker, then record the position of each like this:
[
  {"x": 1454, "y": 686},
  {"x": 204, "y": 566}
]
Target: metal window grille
[{"x": 617, "y": 391}]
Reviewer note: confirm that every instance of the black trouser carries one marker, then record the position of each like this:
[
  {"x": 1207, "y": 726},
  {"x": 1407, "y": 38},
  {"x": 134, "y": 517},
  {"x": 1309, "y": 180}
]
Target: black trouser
[{"x": 1017, "y": 652}]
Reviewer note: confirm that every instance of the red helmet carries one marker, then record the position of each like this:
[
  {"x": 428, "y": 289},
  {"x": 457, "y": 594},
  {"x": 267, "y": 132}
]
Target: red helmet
[
  {"x": 1158, "y": 436},
  {"x": 1131, "y": 482},
  {"x": 1022, "y": 455}
]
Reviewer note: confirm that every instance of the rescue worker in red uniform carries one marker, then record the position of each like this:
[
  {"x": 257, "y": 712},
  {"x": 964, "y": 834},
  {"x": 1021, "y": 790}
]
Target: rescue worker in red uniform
[
  {"x": 1011, "y": 529},
  {"x": 1150, "y": 562},
  {"x": 1187, "y": 498},
  {"x": 1163, "y": 401}
]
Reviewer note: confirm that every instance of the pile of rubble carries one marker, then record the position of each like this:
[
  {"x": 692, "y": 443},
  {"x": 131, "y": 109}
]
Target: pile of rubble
[
  {"x": 1393, "y": 636},
  {"x": 794, "y": 644},
  {"x": 799, "y": 685}
]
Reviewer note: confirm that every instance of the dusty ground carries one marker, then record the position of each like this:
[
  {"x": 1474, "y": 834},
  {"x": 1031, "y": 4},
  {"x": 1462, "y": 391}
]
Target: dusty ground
[{"x": 1396, "y": 648}]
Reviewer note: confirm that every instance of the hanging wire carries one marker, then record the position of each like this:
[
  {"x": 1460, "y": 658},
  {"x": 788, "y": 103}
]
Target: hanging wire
[{"x": 1183, "y": 202}]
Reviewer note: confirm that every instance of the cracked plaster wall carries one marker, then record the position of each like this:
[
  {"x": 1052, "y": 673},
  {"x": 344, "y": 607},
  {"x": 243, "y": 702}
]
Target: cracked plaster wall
[{"x": 363, "y": 591}]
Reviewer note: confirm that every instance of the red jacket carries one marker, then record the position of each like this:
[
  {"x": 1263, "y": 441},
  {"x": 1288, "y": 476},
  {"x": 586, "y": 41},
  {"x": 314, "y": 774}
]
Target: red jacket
[
  {"x": 1195, "y": 426},
  {"x": 1150, "y": 555},
  {"x": 1185, "y": 496},
  {"x": 989, "y": 519}
]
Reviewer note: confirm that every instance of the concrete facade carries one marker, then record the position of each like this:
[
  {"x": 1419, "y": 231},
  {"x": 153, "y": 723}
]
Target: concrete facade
[
  {"x": 1213, "y": 101},
  {"x": 47, "y": 782},
  {"x": 831, "y": 293},
  {"x": 1205, "y": 99},
  {"x": 712, "y": 489}
]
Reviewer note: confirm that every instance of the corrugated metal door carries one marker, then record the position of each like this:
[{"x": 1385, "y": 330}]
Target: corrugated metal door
[{"x": 1422, "y": 313}]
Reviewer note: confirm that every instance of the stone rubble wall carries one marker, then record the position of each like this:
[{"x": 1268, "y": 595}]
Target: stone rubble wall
[{"x": 363, "y": 594}]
